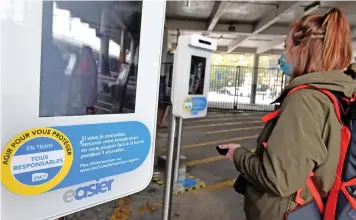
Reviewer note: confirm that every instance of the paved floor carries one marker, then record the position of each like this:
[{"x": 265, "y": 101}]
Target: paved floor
[{"x": 217, "y": 200}]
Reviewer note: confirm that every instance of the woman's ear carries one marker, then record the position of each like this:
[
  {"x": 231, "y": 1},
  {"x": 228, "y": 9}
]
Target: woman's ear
[
  {"x": 291, "y": 54},
  {"x": 288, "y": 57}
]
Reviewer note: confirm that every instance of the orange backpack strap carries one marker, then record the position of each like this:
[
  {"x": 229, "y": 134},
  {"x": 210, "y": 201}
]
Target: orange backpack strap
[
  {"x": 270, "y": 116},
  {"x": 331, "y": 204},
  {"x": 350, "y": 198},
  {"x": 313, "y": 189},
  {"x": 315, "y": 193},
  {"x": 332, "y": 97}
]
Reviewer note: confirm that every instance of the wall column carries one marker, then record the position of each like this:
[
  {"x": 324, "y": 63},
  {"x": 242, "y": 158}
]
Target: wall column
[
  {"x": 254, "y": 78},
  {"x": 164, "y": 52},
  {"x": 104, "y": 41}
]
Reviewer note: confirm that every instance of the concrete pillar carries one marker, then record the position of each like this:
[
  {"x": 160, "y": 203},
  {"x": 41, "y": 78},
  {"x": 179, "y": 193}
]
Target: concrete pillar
[
  {"x": 104, "y": 40},
  {"x": 164, "y": 52},
  {"x": 132, "y": 50},
  {"x": 124, "y": 44},
  {"x": 47, "y": 24},
  {"x": 254, "y": 78},
  {"x": 47, "y": 45}
]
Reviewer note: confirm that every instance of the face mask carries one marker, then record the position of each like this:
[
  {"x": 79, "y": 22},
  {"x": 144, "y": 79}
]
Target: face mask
[{"x": 285, "y": 67}]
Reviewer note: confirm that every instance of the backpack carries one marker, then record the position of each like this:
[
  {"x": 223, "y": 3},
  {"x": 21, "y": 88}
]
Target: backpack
[{"x": 340, "y": 203}]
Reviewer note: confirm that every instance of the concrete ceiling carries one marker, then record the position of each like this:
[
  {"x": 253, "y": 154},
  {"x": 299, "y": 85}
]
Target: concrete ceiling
[{"x": 245, "y": 26}]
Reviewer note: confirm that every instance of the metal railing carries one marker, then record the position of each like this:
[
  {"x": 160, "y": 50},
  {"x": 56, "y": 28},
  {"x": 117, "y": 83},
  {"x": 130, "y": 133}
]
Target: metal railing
[{"x": 231, "y": 87}]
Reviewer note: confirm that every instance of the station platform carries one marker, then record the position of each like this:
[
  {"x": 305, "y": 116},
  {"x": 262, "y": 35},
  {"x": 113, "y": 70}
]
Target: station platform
[{"x": 216, "y": 199}]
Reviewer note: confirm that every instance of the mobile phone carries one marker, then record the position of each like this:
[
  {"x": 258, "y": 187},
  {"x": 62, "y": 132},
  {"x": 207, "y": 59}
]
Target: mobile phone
[{"x": 222, "y": 151}]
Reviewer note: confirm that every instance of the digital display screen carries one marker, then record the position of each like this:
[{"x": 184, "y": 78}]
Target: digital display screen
[
  {"x": 86, "y": 70},
  {"x": 197, "y": 75}
]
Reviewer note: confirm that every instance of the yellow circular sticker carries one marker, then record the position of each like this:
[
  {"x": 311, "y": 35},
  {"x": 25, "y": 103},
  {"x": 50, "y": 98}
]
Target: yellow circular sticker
[
  {"x": 188, "y": 104},
  {"x": 36, "y": 161}
]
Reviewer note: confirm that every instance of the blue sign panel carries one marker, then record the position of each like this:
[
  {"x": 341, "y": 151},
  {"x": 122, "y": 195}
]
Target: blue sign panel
[
  {"x": 103, "y": 150},
  {"x": 194, "y": 105},
  {"x": 44, "y": 159}
]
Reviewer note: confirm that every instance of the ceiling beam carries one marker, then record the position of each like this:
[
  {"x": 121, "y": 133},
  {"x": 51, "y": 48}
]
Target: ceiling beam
[
  {"x": 200, "y": 26},
  {"x": 173, "y": 24},
  {"x": 119, "y": 21},
  {"x": 277, "y": 41},
  {"x": 240, "y": 50},
  {"x": 240, "y": 29},
  {"x": 218, "y": 11},
  {"x": 266, "y": 22},
  {"x": 268, "y": 46},
  {"x": 274, "y": 16},
  {"x": 131, "y": 8},
  {"x": 235, "y": 44}
]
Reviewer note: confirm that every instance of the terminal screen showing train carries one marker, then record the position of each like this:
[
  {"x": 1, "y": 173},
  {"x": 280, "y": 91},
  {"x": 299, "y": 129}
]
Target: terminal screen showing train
[
  {"x": 197, "y": 75},
  {"x": 84, "y": 69}
]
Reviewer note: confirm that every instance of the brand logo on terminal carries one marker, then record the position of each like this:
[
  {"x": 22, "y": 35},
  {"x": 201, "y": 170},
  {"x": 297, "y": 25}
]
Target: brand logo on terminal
[
  {"x": 39, "y": 176},
  {"x": 87, "y": 191}
]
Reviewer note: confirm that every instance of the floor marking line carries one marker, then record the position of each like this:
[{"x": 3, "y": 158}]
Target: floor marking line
[
  {"x": 221, "y": 124},
  {"x": 209, "y": 159},
  {"x": 220, "y": 119},
  {"x": 231, "y": 114},
  {"x": 235, "y": 129},
  {"x": 219, "y": 115},
  {"x": 219, "y": 141},
  {"x": 221, "y": 185},
  {"x": 204, "y": 160}
]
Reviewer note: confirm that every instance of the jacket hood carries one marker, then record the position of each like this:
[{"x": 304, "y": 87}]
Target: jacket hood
[{"x": 335, "y": 81}]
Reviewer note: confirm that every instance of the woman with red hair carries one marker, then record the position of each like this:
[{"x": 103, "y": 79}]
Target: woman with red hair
[{"x": 306, "y": 137}]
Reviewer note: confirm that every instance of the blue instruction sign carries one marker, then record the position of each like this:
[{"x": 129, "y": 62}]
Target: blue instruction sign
[{"x": 194, "y": 105}]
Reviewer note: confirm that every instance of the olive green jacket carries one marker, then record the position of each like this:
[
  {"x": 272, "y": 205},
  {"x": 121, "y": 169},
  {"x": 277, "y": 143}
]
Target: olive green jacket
[{"x": 305, "y": 138}]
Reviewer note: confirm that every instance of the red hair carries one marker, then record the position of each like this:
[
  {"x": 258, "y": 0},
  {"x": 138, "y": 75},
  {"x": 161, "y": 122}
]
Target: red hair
[{"x": 323, "y": 43}]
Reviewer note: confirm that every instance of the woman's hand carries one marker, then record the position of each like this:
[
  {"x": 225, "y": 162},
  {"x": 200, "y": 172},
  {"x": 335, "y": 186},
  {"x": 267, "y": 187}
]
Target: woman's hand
[{"x": 232, "y": 148}]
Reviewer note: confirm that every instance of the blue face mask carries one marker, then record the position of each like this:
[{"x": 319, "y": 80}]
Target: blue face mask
[{"x": 285, "y": 67}]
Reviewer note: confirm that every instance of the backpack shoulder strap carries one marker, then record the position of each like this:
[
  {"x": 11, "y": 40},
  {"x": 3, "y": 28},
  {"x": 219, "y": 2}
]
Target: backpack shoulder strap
[
  {"x": 332, "y": 97},
  {"x": 274, "y": 114}
]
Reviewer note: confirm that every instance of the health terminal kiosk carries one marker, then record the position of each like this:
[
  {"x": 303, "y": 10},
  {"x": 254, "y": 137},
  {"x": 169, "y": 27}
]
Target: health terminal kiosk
[
  {"x": 189, "y": 91},
  {"x": 191, "y": 76}
]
